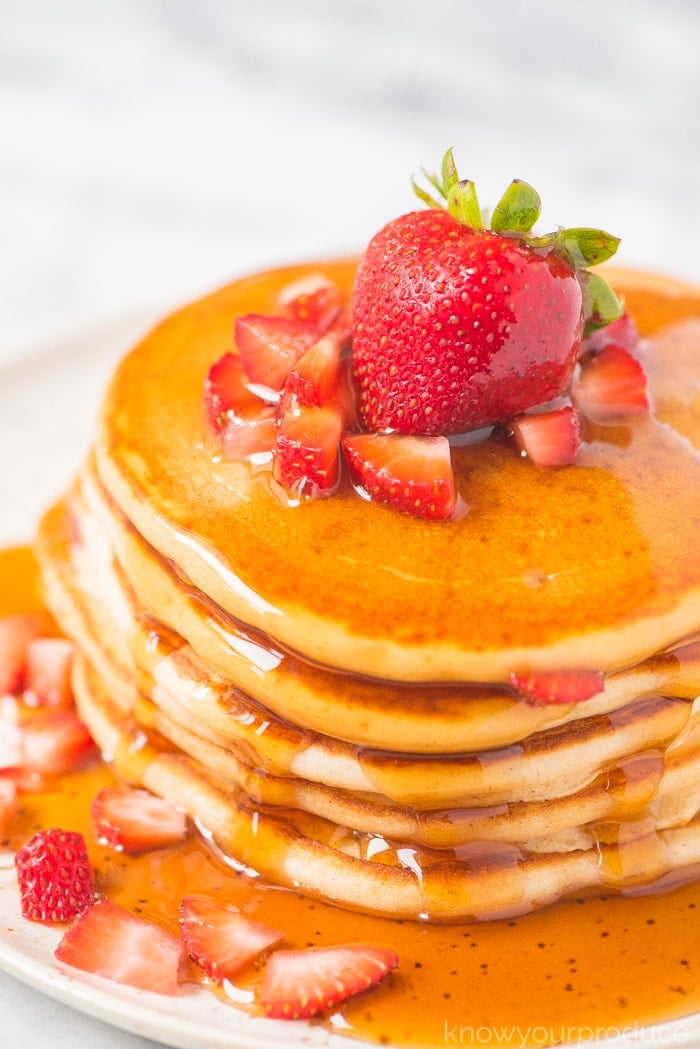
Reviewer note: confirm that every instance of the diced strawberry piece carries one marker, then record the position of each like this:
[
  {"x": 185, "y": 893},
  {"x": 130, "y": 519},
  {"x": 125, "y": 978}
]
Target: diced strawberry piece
[
  {"x": 314, "y": 299},
  {"x": 110, "y": 941},
  {"x": 16, "y": 631},
  {"x": 313, "y": 380},
  {"x": 249, "y": 435},
  {"x": 622, "y": 332},
  {"x": 306, "y": 458},
  {"x": 299, "y": 984},
  {"x": 269, "y": 346},
  {"x": 54, "y": 742},
  {"x": 56, "y": 881},
  {"x": 221, "y": 939},
  {"x": 611, "y": 384},
  {"x": 10, "y": 734},
  {"x": 549, "y": 438},
  {"x": 413, "y": 474},
  {"x": 558, "y": 686},
  {"x": 47, "y": 673},
  {"x": 8, "y": 803},
  {"x": 226, "y": 391},
  {"x": 136, "y": 821}
]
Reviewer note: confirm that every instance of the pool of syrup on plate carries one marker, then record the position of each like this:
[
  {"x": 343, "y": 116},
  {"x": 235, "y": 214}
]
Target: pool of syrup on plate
[{"x": 579, "y": 969}]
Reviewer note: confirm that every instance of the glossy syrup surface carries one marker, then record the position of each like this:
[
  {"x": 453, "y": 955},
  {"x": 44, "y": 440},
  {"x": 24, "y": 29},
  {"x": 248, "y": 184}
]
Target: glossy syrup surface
[{"x": 582, "y": 968}]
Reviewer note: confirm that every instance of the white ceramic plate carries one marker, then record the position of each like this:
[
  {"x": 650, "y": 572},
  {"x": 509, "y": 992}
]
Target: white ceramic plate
[{"x": 48, "y": 403}]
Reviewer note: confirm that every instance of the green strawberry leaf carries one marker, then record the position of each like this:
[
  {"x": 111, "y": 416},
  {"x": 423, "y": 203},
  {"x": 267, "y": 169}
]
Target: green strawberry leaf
[
  {"x": 518, "y": 209},
  {"x": 585, "y": 247},
  {"x": 450, "y": 177},
  {"x": 423, "y": 194},
  {"x": 600, "y": 303},
  {"x": 463, "y": 204}
]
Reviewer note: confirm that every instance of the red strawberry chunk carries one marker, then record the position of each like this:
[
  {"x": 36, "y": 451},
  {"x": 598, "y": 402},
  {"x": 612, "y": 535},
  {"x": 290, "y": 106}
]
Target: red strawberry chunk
[
  {"x": 10, "y": 734},
  {"x": 611, "y": 385},
  {"x": 314, "y": 299},
  {"x": 136, "y": 821},
  {"x": 314, "y": 379},
  {"x": 8, "y": 803},
  {"x": 54, "y": 742},
  {"x": 413, "y": 474},
  {"x": 622, "y": 332},
  {"x": 226, "y": 391},
  {"x": 47, "y": 673},
  {"x": 299, "y": 984},
  {"x": 111, "y": 942},
  {"x": 306, "y": 458},
  {"x": 56, "y": 881},
  {"x": 269, "y": 346},
  {"x": 221, "y": 939},
  {"x": 244, "y": 437},
  {"x": 16, "y": 631},
  {"x": 558, "y": 686},
  {"x": 549, "y": 438}
]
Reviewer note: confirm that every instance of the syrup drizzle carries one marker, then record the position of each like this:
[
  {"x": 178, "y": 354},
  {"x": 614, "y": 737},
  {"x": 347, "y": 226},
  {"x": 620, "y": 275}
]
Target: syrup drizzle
[{"x": 580, "y": 969}]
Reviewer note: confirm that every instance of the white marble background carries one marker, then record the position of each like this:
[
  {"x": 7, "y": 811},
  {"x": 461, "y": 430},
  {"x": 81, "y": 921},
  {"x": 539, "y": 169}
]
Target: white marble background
[{"x": 151, "y": 149}]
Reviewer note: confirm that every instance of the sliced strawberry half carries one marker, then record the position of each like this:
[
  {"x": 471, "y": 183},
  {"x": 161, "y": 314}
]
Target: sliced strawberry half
[
  {"x": 136, "y": 821},
  {"x": 300, "y": 984},
  {"x": 306, "y": 457},
  {"x": 110, "y": 941},
  {"x": 47, "y": 673},
  {"x": 54, "y": 742},
  {"x": 408, "y": 473},
  {"x": 549, "y": 439},
  {"x": 10, "y": 734},
  {"x": 314, "y": 379},
  {"x": 314, "y": 299},
  {"x": 611, "y": 384},
  {"x": 244, "y": 437},
  {"x": 226, "y": 391},
  {"x": 268, "y": 346},
  {"x": 559, "y": 686},
  {"x": 221, "y": 939},
  {"x": 16, "y": 632}
]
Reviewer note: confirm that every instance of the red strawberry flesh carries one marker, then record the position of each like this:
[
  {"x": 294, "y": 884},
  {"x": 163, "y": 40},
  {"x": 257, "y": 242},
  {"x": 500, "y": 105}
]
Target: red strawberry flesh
[
  {"x": 110, "y": 941},
  {"x": 611, "y": 385},
  {"x": 56, "y": 881},
  {"x": 47, "y": 672},
  {"x": 226, "y": 391},
  {"x": 136, "y": 821},
  {"x": 16, "y": 632},
  {"x": 413, "y": 474},
  {"x": 549, "y": 439},
  {"x": 221, "y": 939},
  {"x": 558, "y": 686},
  {"x": 305, "y": 983},
  {"x": 269, "y": 346},
  {"x": 307, "y": 452},
  {"x": 54, "y": 742}
]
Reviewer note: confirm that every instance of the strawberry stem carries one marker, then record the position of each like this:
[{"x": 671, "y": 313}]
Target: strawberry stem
[{"x": 463, "y": 204}]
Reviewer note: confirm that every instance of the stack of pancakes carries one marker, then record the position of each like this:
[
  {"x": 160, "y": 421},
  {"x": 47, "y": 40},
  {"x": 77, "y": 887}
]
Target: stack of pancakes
[{"x": 323, "y": 687}]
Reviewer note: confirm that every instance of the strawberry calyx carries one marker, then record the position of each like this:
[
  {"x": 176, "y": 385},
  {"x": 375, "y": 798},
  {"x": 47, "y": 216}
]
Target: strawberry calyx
[{"x": 515, "y": 215}]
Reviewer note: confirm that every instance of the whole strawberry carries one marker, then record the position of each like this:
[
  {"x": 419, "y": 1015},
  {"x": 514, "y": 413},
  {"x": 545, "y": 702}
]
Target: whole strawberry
[
  {"x": 56, "y": 881},
  {"x": 457, "y": 326}
]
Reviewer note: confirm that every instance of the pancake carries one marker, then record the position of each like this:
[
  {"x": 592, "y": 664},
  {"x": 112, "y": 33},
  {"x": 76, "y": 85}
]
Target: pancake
[
  {"x": 324, "y": 688},
  {"x": 614, "y": 551}
]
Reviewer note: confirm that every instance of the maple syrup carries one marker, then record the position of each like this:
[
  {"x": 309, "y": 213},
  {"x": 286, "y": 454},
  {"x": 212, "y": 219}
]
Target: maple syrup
[{"x": 582, "y": 969}]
